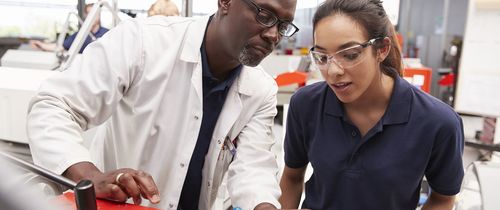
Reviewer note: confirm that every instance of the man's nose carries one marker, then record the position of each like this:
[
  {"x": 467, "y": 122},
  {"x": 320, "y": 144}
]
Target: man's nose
[{"x": 272, "y": 34}]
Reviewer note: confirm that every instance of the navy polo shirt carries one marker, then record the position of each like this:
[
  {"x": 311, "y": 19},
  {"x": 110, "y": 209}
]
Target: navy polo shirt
[
  {"x": 214, "y": 96},
  {"x": 69, "y": 40},
  {"x": 418, "y": 135}
]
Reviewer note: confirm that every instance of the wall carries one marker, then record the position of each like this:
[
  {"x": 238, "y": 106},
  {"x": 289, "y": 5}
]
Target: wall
[{"x": 425, "y": 19}]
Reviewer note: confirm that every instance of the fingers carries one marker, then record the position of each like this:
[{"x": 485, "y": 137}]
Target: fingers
[
  {"x": 130, "y": 187},
  {"x": 147, "y": 186},
  {"x": 121, "y": 184},
  {"x": 112, "y": 192}
]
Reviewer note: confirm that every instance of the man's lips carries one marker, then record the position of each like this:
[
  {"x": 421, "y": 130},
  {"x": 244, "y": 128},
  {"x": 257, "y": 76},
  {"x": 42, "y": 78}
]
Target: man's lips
[{"x": 263, "y": 50}]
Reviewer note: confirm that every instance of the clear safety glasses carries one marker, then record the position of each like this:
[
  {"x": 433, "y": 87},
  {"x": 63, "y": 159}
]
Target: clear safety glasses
[{"x": 345, "y": 58}]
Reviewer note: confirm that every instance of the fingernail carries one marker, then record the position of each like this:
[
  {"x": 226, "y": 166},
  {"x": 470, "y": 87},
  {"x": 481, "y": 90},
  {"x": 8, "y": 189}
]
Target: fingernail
[{"x": 155, "y": 199}]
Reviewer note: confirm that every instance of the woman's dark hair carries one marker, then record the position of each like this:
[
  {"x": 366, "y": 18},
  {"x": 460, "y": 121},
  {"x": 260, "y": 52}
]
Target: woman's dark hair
[{"x": 371, "y": 15}]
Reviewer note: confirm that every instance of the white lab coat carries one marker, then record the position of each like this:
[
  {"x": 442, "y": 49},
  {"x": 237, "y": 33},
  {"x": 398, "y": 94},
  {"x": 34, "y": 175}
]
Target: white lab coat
[{"x": 143, "y": 82}]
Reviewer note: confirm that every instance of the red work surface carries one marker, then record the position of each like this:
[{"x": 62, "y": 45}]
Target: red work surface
[{"x": 68, "y": 199}]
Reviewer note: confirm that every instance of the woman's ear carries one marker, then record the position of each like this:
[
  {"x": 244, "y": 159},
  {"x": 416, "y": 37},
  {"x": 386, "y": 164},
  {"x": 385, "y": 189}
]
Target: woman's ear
[
  {"x": 224, "y": 6},
  {"x": 383, "y": 52}
]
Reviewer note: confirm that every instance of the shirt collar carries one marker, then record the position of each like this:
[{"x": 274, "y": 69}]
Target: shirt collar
[{"x": 398, "y": 110}]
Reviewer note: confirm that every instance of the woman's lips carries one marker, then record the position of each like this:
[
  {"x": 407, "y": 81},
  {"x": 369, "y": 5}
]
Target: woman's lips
[{"x": 341, "y": 87}]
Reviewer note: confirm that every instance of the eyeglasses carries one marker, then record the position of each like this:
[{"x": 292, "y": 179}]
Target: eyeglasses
[
  {"x": 345, "y": 58},
  {"x": 269, "y": 19}
]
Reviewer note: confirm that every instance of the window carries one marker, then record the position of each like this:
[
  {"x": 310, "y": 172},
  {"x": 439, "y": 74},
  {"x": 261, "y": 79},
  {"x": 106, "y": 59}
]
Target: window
[{"x": 34, "y": 18}]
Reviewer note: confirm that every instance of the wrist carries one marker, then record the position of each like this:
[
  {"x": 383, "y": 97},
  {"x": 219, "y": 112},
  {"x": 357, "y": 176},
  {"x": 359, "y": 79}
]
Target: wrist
[{"x": 82, "y": 170}]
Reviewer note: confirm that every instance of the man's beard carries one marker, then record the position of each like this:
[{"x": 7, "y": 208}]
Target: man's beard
[{"x": 248, "y": 58}]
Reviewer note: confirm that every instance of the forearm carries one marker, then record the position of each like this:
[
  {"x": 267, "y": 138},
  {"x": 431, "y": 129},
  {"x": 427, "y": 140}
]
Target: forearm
[
  {"x": 291, "y": 193},
  {"x": 82, "y": 170},
  {"x": 439, "y": 202}
]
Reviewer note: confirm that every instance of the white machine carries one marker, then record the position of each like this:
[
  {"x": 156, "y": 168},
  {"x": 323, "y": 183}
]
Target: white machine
[
  {"x": 30, "y": 59},
  {"x": 22, "y": 71},
  {"x": 17, "y": 87},
  {"x": 480, "y": 188}
]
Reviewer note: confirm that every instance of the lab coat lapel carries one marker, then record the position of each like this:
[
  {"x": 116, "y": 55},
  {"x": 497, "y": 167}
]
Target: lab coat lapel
[
  {"x": 196, "y": 82},
  {"x": 229, "y": 113},
  {"x": 233, "y": 107},
  {"x": 190, "y": 52},
  {"x": 193, "y": 38}
]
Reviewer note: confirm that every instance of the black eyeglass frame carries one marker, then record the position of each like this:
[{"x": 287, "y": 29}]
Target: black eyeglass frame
[{"x": 277, "y": 20}]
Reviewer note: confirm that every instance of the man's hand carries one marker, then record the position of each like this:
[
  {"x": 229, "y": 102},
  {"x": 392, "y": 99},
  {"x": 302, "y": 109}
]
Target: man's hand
[{"x": 117, "y": 185}]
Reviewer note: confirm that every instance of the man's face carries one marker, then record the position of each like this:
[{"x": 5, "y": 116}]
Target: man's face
[{"x": 254, "y": 39}]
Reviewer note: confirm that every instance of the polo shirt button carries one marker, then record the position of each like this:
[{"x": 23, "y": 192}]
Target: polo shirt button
[
  {"x": 208, "y": 184},
  {"x": 196, "y": 117},
  {"x": 182, "y": 165},
  {"x": 219, "y": 141},
  {"x": 171, "y": 205},
  {"x": 353, "y": 133}
]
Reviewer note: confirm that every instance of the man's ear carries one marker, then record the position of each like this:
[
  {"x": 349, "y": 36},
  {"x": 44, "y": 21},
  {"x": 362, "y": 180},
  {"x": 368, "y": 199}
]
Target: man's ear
[
  {"x": 384, "y": 50},
  {"x": 224, "y": 6}
]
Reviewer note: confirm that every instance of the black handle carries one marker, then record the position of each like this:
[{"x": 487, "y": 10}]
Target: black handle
[
  {"x": 39, "y": 170},
  {"x": 85, "y": 195},
  {"x": 84, "y": 190}
]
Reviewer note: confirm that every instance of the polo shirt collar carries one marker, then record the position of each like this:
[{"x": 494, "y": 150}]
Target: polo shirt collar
[{"x": 398, "y": 110}]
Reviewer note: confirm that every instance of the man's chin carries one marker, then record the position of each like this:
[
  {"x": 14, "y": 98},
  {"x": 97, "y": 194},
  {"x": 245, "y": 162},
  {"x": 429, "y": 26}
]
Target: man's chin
[{"x": 249, "y": 59}]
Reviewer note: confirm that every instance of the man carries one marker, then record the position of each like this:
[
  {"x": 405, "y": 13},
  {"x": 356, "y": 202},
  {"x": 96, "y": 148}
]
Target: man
[
  {"x": 163, "y": 7},
  {"x": 181, "y": 101},
  {"x": 97, "y": 31}
]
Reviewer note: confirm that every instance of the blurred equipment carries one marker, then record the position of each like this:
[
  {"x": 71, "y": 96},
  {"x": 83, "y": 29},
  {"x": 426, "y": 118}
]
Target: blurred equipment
[
  {"x": 13, "y": 196},
  {"x": 417, "y": 74},
  {"x": 478, "y": 80},
  {"x": 30, "y": 59},
  {"x": 480, "y": 187},
  {"x": 84, "y": 190},
  {"x": 449, "y": 70},
  {"x": 85, "y": 31},
  {"x": 17, "y": 87},
  {"x": 62, "y": 59}
]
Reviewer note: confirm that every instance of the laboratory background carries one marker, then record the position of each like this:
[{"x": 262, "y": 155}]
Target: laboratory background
[{"x": 449, "y": 50}]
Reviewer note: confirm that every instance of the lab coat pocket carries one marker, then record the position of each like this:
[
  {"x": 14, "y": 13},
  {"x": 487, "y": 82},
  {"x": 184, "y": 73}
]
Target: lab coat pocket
[{"x": 226, "y": 156}]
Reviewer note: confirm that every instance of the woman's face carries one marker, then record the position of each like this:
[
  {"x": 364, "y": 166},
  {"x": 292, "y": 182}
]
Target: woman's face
[{"x": 345, "y": 56}]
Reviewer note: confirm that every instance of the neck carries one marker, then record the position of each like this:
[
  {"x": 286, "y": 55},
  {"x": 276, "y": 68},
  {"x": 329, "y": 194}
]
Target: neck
[
  {"x": 95, "y": 28},
  {"x": 221, "y": 62},
  {"x": 376, "y": 98}
]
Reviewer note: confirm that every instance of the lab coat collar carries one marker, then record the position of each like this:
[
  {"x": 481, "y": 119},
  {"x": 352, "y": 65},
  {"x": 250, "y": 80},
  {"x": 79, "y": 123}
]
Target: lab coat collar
[
  {"x": 194, "y": 38},
  {"x": 244, "y": 82},
  {"x": 191, "y": 53}
]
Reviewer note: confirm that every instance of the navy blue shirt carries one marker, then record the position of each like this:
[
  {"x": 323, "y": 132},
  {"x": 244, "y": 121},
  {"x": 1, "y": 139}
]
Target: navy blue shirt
[
  {"x": 417, "y": 135},
  {"x": 214, "y": 96},
  {"x": 69, "y": 40}
]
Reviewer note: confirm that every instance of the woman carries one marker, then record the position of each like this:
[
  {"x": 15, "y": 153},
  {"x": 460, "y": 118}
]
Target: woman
[{"x": 369, "y": 135}]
